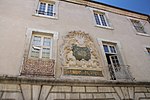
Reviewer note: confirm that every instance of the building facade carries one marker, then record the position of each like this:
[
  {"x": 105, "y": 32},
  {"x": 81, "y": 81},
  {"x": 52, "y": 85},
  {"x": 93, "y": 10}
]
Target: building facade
[{"x": 73, "y": 50}]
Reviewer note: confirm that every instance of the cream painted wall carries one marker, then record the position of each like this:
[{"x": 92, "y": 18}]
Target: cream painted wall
[{"x": 16, "y": 16}]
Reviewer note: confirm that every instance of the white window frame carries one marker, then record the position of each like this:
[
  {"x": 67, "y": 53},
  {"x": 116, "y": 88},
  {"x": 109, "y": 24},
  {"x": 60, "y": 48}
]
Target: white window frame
[
  {"x": 100, "y": 20},
  {"x": 139, "y": 25},
  {"x": 41, "y": 44},
  {"x": 46, "y": 7},
  {"x": 119, "y": 51},
  {"x": 109, "y": 50},
  {"x": 54, "y": 35},
  {"x": 105, "y": 14},
  {"x": 55, "y": 9},
  {"x": 137, "y": 33}
]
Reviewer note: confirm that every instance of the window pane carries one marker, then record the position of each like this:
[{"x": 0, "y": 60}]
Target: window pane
[
  {"x": 138, "y": 26},
  {"x": 148, "y": 50},
  {"x": 35, "y": 53},
  {"x": 42, "y": 8},
  {"x": 47, "y": 41},
  {"x": 103, "y": 20},
  {"x": 112, "y": 49},
  {"x": 140, "y": 29},
  {"x": 36, "y": 40},
  {"x": 97, "y": 19},
  {"x": 50, "y": 10},
  {"x": 105, "y": 48},
  {"x": 46, "y": 53}
]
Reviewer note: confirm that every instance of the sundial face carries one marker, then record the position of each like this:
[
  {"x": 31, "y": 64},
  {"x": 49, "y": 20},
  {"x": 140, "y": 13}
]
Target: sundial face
[{"x": 81, "y": 53}]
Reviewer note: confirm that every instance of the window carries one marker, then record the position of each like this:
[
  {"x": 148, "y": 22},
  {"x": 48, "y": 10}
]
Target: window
[
  {"x": 116, "y": 68},
  {"x": 112, "y": 59},
  {"x": 138, "y": 26},
  {"x": 41, "y": 46},
  {"x": 101, "y": 19},
  {"x": 40, "y": 53},
  {"x": 148, "y": 50},
  {"x": 109, "y": 49},
  {"x": 46, "y": 9}
]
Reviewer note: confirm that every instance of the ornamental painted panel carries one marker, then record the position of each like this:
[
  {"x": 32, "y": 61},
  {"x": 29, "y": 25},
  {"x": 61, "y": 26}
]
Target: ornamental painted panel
[
  {"x": 38, "y": 67},
  {"x": 78, "y": 54}
]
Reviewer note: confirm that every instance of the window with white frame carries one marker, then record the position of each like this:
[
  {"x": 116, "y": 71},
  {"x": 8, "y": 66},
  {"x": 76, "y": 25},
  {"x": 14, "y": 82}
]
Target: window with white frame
[
  {"x": 101, "y": 19},
  {"x": 41, "y": 46},
  {"x": 109, "y": 49},
  {"x": 138, "y": 26},
  {"x": 40, "y": 53},
  {"x": 46, "y": 8},
  {"x": 112, "y": 59}
]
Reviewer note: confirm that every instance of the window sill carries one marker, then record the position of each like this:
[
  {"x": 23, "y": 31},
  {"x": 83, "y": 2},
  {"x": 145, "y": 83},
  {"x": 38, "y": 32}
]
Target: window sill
[
  {"x": 143, "y": 34},
  {"x": 44, "y": 16},
  {"x": 105, "y": 27},
  {"x": 111, "y": 53}
]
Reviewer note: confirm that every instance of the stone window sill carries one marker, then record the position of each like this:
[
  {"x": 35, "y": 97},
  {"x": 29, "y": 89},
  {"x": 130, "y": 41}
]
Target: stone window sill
[
  {"x": 44, "y": 16},
  {"x": 105, "y": 27},
  {"x": 143, "y": 34}
]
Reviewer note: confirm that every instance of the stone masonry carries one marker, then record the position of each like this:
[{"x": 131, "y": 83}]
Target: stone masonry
[{"x": 19, "y": 88}]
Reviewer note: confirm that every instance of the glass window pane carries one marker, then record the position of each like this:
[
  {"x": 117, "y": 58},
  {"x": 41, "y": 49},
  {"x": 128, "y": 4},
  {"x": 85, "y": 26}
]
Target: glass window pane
[
  {"x": 46, "y": 53},
  {"x": 148, "y": 50},
  {"x": 138, "y": 26},
  {"x": 50, "y": 10},
  {"x": 116, "y": 57},
  {"x": 103, "y": 20},
  {"x": 113, "y": 58},
  {"x": 140, "y": 29},
  {"x": 112, "y": 49},
  {"x": 36, "y": 40},
  {"x": 42, "y": 8},
  {"x": 105, "y": 48},
  {"x": 97, "y": 19},
  {"x": 117, "y": 61},
  {"x": 35, "y": 53},
  {"x": 47, "y": 41}
]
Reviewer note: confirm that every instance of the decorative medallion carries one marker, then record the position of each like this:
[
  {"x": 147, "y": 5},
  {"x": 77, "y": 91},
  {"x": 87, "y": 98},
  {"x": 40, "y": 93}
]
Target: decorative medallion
[{"x": 78, "y": 54}]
